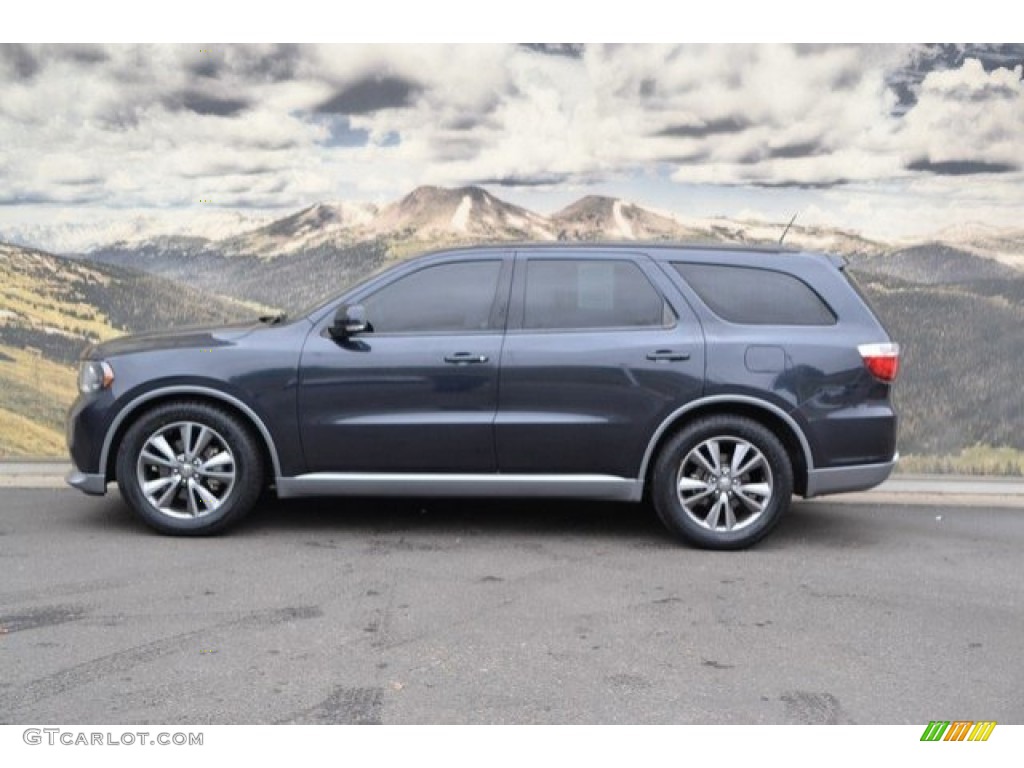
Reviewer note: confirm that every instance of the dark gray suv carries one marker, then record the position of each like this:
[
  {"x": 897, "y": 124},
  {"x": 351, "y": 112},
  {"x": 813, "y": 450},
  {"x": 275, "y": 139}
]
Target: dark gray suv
[{"x": 714, "y": 382}]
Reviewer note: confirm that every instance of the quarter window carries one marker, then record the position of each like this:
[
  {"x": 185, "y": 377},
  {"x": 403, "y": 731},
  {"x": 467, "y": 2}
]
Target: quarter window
[
  {"x": 582, "y": 293},
  {"x": 446, "y": 297},
  {"x": 752, "y": 296}
]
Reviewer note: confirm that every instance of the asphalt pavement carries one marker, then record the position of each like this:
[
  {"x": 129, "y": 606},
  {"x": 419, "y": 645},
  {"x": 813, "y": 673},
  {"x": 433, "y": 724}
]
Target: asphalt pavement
[{"x": 393, "y": 611}]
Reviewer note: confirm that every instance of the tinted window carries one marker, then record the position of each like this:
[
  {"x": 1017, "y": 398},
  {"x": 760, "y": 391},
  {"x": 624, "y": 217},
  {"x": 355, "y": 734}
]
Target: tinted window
[
  {"x": 446, "y": 297},
  {"x": 581, "y": 293},
  {"x": 756, "y": 296}
]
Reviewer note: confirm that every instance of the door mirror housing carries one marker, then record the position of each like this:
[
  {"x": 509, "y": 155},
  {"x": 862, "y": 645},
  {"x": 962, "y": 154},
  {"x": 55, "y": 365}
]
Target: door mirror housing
[{"x": 349, "y": 320}]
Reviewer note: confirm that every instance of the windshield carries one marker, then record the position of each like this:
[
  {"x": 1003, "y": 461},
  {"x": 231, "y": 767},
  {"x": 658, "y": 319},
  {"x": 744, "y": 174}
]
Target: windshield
[{"x": 326, "y": 295}]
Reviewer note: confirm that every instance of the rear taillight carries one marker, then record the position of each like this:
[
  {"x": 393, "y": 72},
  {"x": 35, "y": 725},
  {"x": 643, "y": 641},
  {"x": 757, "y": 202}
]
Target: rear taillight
[{"x": 883, "y": 360}]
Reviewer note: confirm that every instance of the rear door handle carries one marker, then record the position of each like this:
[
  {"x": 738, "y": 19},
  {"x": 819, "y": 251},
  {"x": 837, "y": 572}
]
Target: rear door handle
[
  {"x": 668, "y": 355},
  {"x": 465, "y": 358}
]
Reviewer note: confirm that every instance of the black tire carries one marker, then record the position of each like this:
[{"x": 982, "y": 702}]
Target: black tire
[
  {"x": 683, "y": 471},
  {"x": 200, "y": 494}
]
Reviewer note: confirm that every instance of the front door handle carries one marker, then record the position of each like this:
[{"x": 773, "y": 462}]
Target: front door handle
[
  {"x": 668, "y": 355},
  {"x": 465, "y": 358}
]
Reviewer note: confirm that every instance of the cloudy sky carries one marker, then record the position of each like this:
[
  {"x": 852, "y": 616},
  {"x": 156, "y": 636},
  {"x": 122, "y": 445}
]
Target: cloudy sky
[{"x": 893, "y": 140}]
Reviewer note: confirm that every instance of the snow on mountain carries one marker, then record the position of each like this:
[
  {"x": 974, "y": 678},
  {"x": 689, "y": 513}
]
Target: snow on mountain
[
  {"x": 623, "y": 224},
  {"x": 86, "y": 230},
  {"x": 429, "y": 213},
  {"x": 460, "y": 219},
  {"x": 323, "y": 224},
  {"x": 607, "y": 218}
]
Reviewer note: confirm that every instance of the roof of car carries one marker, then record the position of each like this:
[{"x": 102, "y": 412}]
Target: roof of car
[{"x": 624, "y": 245}]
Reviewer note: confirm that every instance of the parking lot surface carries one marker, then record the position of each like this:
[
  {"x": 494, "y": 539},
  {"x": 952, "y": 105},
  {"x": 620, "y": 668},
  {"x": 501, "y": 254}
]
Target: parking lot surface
[{"x": 356, "y": 611}]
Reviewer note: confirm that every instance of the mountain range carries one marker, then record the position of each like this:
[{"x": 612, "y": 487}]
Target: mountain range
[
  {"x": 312, "y": 253},
  {"x": 954, "y": 300},
  {"x": 435, "y": 215}
]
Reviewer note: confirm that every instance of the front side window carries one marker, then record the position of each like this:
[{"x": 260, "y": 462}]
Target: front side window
[
  {"x": 752, "y": 296},
  {"x": 582, "y": 293},
  {"x": 444, "y": 298}
]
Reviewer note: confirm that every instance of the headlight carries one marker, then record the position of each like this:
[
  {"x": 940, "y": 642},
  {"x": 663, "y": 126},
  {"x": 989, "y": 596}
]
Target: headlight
[{"x": 94, "y": 376}]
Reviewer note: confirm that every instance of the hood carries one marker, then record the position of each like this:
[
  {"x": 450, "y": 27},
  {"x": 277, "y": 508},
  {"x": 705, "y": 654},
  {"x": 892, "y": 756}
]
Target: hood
[{"x": 178, "y": 338}]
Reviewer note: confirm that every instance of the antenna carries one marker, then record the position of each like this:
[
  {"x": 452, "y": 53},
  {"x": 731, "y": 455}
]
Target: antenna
[{"x": 786, "y": 230}]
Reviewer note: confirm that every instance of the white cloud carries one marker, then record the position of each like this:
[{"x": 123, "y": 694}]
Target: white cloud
[
  {"x": 264, "y": 126},
  {"x": 968, "y": 115}
]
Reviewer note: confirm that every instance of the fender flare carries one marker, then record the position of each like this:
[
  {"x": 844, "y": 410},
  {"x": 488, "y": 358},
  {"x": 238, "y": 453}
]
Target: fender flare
[
  {"x": 188, "y": 389},
  {"x": 725, "y": 400}
]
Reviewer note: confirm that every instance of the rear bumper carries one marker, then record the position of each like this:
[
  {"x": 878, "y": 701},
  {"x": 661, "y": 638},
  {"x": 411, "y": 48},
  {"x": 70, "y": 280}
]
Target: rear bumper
[
  {"x": 860, "y": 477},
  {"x": 94, "y": 485}
]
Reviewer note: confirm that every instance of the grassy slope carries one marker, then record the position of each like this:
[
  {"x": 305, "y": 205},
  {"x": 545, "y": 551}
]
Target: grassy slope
[
  {"x": 50, "y": 309},
  {"x": 975, "y": 460},
  {"x": 35, "y": 393},
  {"x": 21, "y": 437}
]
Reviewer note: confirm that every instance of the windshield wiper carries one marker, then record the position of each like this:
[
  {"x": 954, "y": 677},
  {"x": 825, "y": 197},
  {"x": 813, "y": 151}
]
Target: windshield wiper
[{"x": 273, "y": 319}]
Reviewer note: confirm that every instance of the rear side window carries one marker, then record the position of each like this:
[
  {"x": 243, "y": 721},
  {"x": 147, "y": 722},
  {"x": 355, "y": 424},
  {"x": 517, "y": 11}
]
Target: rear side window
[
  {"x": 752, "y": 296},
  {"x": 598, "y": 293}
]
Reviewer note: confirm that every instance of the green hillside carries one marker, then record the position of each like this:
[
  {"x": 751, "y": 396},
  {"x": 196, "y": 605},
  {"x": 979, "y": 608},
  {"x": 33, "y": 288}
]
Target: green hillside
[{"x": 50, "y": 309}]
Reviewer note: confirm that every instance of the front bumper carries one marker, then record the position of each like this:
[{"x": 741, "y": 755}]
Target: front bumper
[
  {"x": 94, "y": 485},
  {"x": 858, "y": 477},
  {"x": 86, "y": 425}
]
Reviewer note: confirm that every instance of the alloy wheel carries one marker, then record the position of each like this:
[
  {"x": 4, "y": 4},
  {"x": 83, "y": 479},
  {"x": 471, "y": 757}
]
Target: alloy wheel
[
  {"x": 186, "y": 470},
  {"x": 724, "y": 484}
]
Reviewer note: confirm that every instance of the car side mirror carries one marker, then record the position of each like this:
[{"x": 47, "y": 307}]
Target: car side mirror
[{"x": 349, "y": 320}]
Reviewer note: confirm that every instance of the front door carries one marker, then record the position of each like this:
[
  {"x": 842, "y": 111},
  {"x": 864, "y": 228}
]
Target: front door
[{"x": 417, "y": 392}]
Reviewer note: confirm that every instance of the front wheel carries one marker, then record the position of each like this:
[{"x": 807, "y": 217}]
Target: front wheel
[
  {"x": 723, "y": 482},
  {"x": 189, "y": 468}
]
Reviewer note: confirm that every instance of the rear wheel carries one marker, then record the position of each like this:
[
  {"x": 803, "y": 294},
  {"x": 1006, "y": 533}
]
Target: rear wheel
[
  {"x": 723, "y": 482},
  {"x": 189, "y": 468}
]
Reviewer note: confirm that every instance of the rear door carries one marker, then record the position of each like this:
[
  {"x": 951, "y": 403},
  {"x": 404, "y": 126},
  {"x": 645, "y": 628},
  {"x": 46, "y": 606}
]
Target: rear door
[{"x": 600, "y": 349}]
